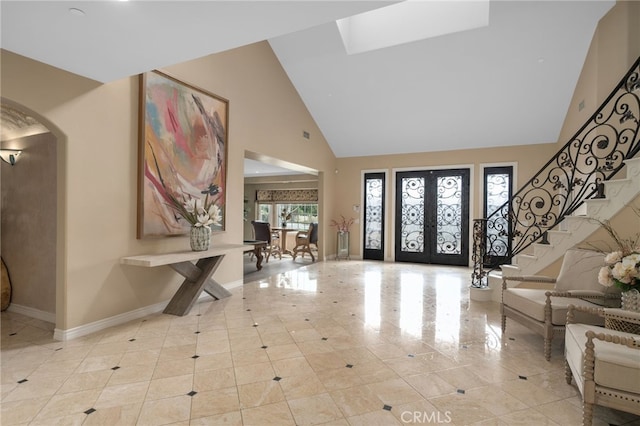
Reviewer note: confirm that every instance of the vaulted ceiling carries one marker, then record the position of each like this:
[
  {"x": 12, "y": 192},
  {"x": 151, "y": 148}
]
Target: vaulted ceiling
[{"x": 507, "y": 83}]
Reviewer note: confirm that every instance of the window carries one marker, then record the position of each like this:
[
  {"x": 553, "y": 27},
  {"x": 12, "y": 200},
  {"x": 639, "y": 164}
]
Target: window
[
  {"x": 264, "y": 212},
  {"x": 497, "y": 192},
  {"x": 302, "y": 214},
  {"x": 301, "y": 204}
]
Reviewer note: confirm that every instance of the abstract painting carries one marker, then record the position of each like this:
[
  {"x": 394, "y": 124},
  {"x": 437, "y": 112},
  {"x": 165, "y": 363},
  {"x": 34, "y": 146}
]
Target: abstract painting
[{"x": 182, "y": 153}]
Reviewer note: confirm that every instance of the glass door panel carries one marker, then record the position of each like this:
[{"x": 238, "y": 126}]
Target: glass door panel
[
  {"x": 432, "y": 216},
  {"x": 374, "y": 196}
]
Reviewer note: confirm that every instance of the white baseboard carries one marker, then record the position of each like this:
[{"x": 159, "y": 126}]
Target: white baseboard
[
  {"x": 33, "y": 313},
  {"x": 103, "y": 324}
]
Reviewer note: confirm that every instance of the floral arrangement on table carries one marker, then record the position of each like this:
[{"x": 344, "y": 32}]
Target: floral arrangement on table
[
  {"x": 196, "y": 211},
  {"x": 285, "y": 215},
  {"x": 343, "y": 225},
  {"x": 622, "y": 270},
  {"x": 622, "y": 264}
]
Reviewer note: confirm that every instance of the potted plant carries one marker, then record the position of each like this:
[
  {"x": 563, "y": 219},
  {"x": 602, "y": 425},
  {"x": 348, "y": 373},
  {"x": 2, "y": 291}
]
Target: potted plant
[
  {"x": 342, "y": 227},
  {"x": 200, "y": 213}
]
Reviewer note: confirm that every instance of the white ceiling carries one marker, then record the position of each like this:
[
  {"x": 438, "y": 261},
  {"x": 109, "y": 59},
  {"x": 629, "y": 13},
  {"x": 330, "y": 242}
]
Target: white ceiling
[{"x": 508, "y": 83}]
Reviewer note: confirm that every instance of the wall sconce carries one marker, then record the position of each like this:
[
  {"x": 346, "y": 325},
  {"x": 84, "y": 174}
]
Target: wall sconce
[{"x": 10, "y": 155}]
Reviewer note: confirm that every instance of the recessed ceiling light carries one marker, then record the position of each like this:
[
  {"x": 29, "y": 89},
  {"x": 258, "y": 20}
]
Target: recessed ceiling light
[{"x": 76, "y": 12}]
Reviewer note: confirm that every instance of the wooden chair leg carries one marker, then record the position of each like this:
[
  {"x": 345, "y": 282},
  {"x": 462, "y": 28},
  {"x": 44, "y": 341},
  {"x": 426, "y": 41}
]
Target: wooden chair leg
[
  {"x": 547, "y": 348},
  {"x": 567, "y": 372},
  {"x": 587, "y": 414}
]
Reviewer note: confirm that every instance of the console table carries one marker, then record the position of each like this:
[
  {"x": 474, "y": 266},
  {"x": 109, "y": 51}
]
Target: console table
[{"x": 197, "y": 276}]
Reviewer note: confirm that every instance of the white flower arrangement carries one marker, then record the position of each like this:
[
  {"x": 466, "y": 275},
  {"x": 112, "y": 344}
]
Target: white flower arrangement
[
  {"x": 621, "y": 270},
  {"x": 622, "y": 264},
  {"x": 198, "y": 212}
]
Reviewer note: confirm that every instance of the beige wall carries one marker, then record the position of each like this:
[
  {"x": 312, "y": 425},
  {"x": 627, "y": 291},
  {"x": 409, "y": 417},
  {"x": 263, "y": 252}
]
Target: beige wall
[
  {"x": 526, "y": 160},
  {"x": 614, "y": 48},
  {"x": 95, "y": 126},
  {"x": 29, "y": 222}
]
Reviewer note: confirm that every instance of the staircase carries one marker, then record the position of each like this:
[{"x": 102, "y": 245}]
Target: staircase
[
  {"x": 593, "y": 176},
  {"x": 576, "y": 228}
]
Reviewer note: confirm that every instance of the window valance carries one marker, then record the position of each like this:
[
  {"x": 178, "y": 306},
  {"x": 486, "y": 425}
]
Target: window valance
[{"x": 309, "y": 195}]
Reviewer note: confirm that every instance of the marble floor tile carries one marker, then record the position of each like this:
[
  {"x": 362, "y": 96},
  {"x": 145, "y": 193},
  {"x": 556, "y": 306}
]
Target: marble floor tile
[
  {"x": 260, "y": 393},
  {"x": 330, "y": 343},
  {"x": 277, "y": 414},
  {"x": 303, "y": 385},
  {"x": 166, "y": 411},
  {"x": 313, "y": 410}
]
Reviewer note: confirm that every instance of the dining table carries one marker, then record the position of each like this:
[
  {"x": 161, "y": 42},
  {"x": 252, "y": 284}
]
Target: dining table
[{"x": 283, "y": 238}]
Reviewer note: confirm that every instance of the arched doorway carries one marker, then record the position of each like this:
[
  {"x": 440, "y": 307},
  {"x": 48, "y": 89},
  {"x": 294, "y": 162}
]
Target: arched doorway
[{"x": 31, "y": 242}]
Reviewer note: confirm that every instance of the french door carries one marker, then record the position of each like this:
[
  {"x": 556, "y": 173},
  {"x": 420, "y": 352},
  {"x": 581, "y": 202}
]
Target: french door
[
  {"x": 374, "y": 196},
  {"x": 432, "y": 217}
]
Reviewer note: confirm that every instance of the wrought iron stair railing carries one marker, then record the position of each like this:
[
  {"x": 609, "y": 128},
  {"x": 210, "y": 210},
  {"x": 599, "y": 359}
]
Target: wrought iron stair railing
[{"x": 576, "y": 173}]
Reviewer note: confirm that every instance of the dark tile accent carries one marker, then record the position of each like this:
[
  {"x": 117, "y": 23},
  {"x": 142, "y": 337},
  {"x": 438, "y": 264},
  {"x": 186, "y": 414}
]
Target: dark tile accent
[
  {"x": 277, "y": 379},
  {"x": 132, "y": 340},
  {"x": 115, "y": 368},
  {"x": 387, "y": 407},
  {"x": 325, "y": 338},
  {"x": 192, "y": 393},
  {"x": 263, "y": 347},
  {"x": 411, "y": 356},
  {"x": 22, "y": 381},
  {"x": 195, "y": 356},
  {"x": 89, "y": 411},
  {"x": 349, "y": 365},
  {"x": 460, "y": 391},
  {"x": 522, "y": 377}
]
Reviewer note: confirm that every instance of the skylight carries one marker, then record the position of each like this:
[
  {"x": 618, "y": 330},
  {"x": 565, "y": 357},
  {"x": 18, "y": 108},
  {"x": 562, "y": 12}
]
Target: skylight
[{"x": 410, "y": 20}]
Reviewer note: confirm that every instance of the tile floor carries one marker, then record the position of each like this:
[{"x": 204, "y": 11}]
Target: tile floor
[{"x": 333, "y": 343}]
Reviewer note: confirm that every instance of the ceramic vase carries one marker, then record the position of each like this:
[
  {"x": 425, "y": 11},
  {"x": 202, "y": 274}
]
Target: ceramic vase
[{"x": 200, "y": 238}]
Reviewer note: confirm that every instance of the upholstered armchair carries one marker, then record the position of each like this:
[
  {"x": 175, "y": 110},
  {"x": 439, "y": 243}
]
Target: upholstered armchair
[
  {"x": 307, "y": 242},
  {"x": 604, "y": 362},
  {"x": 543, "y": 309}
]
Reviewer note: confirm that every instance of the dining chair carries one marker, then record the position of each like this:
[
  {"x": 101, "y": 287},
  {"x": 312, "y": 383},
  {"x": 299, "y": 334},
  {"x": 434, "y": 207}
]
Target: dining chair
[
  {"x": 262, "y": 232},
  {"x": 305, "y": 240}
]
